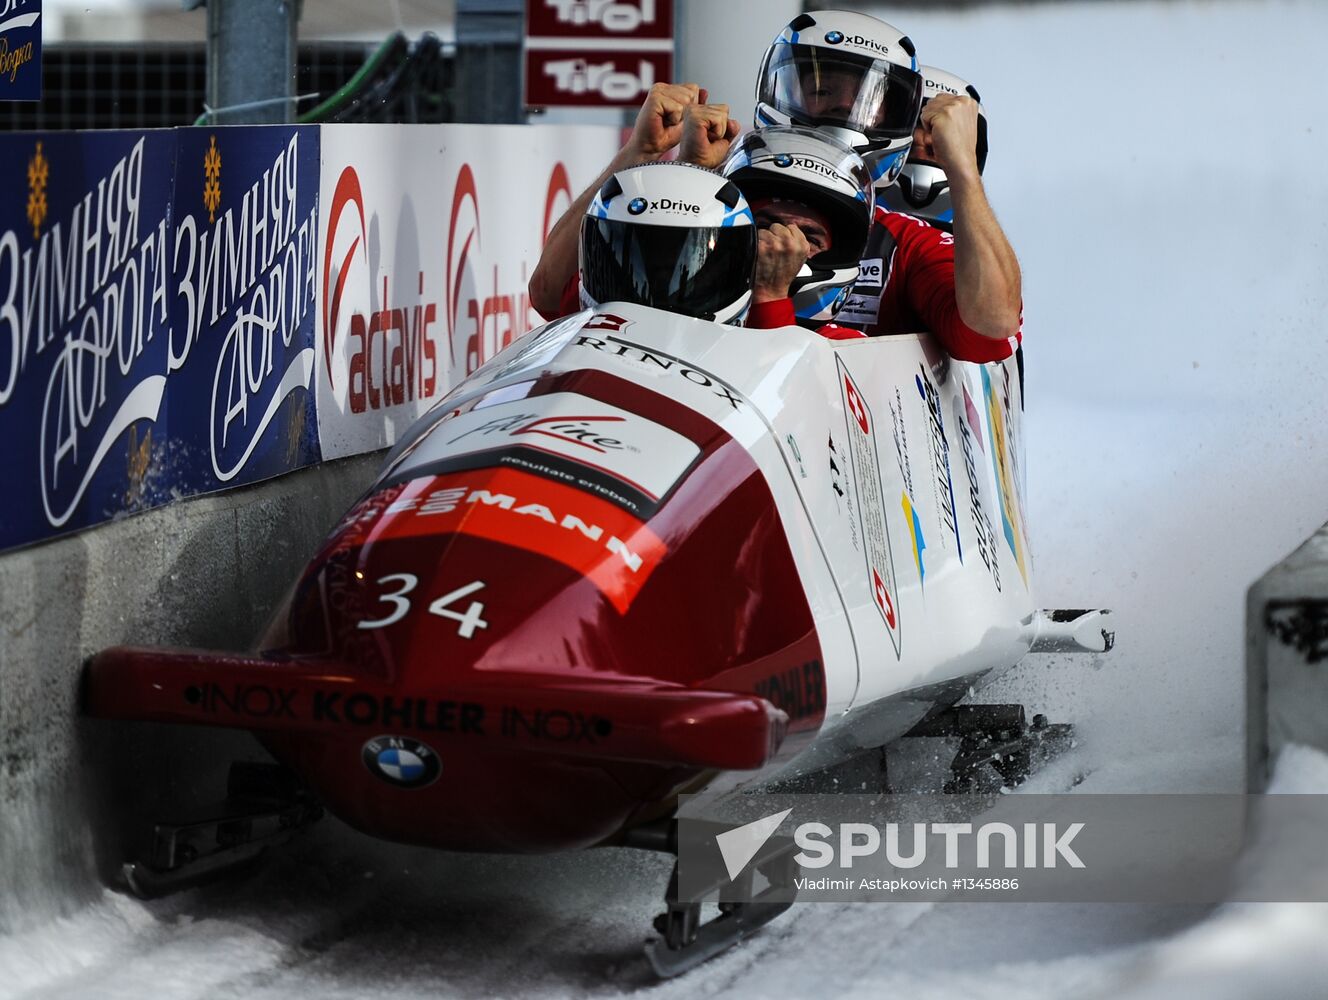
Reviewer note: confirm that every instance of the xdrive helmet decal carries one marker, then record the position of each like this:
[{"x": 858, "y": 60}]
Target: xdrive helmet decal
[
  {"x": 672, "y": 236},
  {"x": 849, "y": 74}
]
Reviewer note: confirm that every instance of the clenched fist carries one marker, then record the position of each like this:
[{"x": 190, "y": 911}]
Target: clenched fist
[
  {"x": 707, "y": 133},
  {"x": 659, "y": 123},
  {"x": 947, "y": 135},
  {"x": 780, "y": 253}
]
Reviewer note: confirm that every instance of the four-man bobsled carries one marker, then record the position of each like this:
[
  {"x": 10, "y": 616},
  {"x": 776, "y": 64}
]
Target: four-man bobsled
[{"x": 633, "y": 555}]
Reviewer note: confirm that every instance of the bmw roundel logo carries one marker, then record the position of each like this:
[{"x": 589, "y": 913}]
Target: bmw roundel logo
[
  {"x": 834, "y": 37},
  {"x": 401, "y": 761},
  {"x": 636, "y": 206},
  {"x": 783, "y": 160}
]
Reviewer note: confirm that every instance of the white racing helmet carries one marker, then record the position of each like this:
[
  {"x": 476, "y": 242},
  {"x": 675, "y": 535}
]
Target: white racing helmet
[
  {"x": 797, "y": 164},
  {"x": 923, "y": 189},
  {"x": 673, "y": 236},
  {"x": 847, "y": 73}
]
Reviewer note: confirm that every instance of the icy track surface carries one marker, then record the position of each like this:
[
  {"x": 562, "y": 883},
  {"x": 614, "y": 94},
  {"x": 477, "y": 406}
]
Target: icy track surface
[{"x": 1166, "y": 198}]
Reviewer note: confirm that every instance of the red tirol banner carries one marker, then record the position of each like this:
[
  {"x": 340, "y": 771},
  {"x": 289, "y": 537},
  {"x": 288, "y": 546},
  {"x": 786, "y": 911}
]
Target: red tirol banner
[{"x": 596, "y": 53}]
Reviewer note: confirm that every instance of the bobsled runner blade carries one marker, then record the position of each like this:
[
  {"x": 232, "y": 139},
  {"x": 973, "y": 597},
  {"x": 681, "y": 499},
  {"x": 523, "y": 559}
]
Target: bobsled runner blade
[
  {"x": 997, "y": 735},
  {"x": 263, "y": 809},
  {"x": 713, "y": 937},
  {"x": 686, "y": 942}
]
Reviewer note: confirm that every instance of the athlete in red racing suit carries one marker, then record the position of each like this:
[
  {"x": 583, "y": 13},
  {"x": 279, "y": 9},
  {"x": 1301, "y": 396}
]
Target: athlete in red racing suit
[{"x": 906, "y": 286}]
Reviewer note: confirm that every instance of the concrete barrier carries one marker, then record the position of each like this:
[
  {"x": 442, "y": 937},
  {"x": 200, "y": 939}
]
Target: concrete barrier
[
  {"x": 205, "y": 572},
  {"x": 1286, "y": 658}
]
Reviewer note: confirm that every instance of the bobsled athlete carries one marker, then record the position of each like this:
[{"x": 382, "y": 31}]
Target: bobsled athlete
[
  {"x": 668, "y": 235},
  {"x": 812, "y": 198},
  {"x": 923, "y": 190},
  {"x": 657, "y": 131},
  {"x": 857, "y": 77}
]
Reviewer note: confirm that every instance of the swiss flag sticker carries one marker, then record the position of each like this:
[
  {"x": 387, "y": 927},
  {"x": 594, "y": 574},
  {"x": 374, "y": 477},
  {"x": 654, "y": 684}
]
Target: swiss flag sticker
[
  {"x": 855, "y": 405},
  {"x": 882, "y": 596}
]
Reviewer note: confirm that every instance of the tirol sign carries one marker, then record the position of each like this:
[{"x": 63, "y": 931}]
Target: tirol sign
[
  {"x": 596, "y": 53},
  {"x": 600, "y": 19}
]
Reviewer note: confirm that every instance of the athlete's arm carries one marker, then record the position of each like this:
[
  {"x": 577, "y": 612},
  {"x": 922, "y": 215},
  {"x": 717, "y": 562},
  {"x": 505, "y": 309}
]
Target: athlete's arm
[
  {"x": 658, "y": 129},
  {"x": 987, "y": 282},
  {"x": 922, "y": 275}
]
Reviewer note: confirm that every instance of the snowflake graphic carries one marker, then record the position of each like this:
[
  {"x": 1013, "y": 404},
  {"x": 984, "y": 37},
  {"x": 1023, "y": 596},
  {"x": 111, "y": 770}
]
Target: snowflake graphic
[
  {"x": 212, "y": 180},
  {"x": 39, "y": 171}
]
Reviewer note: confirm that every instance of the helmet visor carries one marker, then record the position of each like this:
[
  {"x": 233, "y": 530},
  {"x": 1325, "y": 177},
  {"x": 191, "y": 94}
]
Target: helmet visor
[
  {"x": 819, "y": 86},
  {"x": 694, "y": 272}
]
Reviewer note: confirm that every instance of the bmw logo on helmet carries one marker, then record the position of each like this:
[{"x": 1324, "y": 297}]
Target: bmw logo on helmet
[
  {"x": 834, "y": 37},
  {"x": 636, "y": 206},
  {"x": 783, "y": 160},
  {"x": 401, "y": 761}
]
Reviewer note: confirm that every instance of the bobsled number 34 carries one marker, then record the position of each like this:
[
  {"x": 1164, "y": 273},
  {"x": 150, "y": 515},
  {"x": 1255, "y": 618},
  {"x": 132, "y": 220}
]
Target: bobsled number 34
[{"x": 634, "y": 554}]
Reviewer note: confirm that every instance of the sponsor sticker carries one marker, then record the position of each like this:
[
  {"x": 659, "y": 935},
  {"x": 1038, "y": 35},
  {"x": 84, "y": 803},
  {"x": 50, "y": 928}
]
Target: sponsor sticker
[
  {"x": 860, "y": 309},
  {"x": 1000, "y": 457},
  {"x": 871, "y": 273},
  {"x": 982, "y": 529},
  {"x": 595, "y": 537},
  {"x": 401, "y": 761},
  {"x": 620, "y": 446},
  {"x": 649, "y": 360},
  {"x": 880, "y": 564},
  {"x": 938, "y": 446}
]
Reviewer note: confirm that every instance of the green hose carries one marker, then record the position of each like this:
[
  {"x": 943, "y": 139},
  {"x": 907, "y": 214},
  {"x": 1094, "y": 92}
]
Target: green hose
[{"x": 347, "y": 91}]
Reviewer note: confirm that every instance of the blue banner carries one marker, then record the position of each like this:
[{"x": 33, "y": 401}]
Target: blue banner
[
  {"x": 242, "y": 309},
  {"x": 157, "y": 296},
  {"x": 20, "y": 50},
  {"x": 84, "y": 298}
]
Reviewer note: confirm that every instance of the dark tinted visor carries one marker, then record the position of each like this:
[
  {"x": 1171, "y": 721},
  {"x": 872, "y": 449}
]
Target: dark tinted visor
[
  {"x": 819, "y": 86},
  {"x": 694, "y": 272}
]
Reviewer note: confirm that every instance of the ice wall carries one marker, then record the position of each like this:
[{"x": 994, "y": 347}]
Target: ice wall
[{"x": 206, "y": 572}]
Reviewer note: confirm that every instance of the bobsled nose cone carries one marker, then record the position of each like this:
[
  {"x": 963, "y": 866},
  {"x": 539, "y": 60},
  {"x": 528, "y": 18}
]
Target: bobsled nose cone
[{"x": 520, "y": 762}]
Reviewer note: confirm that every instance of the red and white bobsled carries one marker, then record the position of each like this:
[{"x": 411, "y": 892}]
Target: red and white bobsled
[{"x": 633, "y": 555}]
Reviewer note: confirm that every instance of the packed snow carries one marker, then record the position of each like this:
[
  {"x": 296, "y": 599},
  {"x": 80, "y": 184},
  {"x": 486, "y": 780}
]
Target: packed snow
[{"x": 1159, "y": 168}]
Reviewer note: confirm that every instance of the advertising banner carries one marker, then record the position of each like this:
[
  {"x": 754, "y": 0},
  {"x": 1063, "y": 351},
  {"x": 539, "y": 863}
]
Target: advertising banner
[
  {"x": 600, "y": 19},
  {"x": 20, "y": 50},
  {"x": 596, "y": 53},
  {"x": 84, "y": 327},
  {"x": 187, "y": 310},
  {"x": 428, "y": 240},
  {"x": 243, "y": 295}
]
